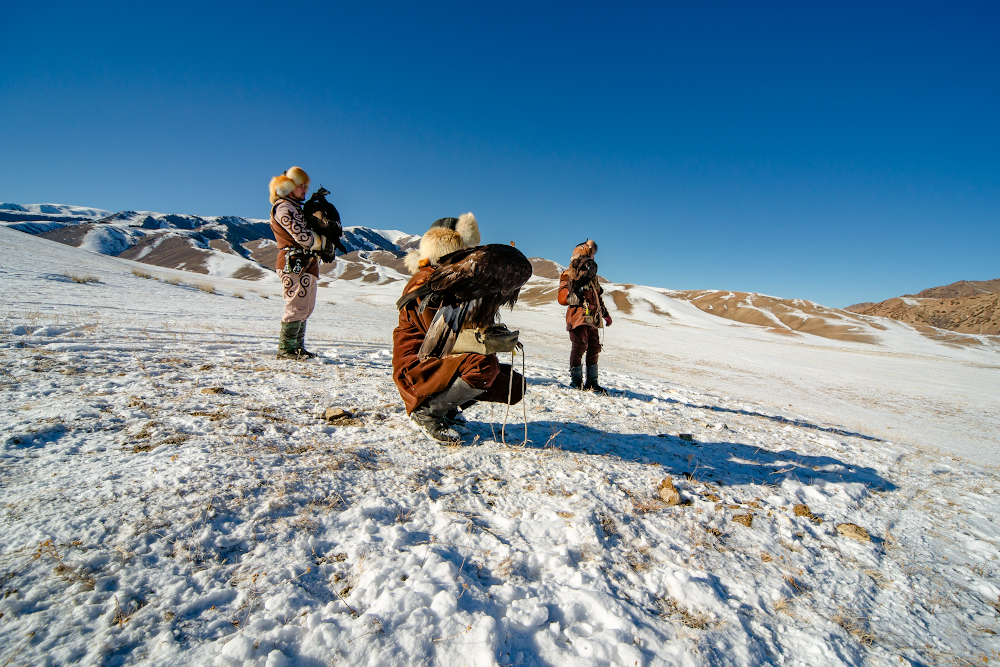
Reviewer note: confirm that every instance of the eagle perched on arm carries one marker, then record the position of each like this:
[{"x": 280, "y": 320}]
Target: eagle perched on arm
[
  {"x": 468, "y": 288},
  {"x": 323, "y": 218},
  {"x": 582, "y": 269}
]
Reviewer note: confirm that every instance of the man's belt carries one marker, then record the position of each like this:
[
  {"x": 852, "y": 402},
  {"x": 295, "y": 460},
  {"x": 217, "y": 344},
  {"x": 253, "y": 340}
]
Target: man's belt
[{"x": 297, "y": 258}]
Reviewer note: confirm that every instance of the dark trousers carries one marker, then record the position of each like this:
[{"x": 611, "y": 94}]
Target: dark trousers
[
  {"x": 587, "y": 340},
  {"x": 502, "y": 384}
]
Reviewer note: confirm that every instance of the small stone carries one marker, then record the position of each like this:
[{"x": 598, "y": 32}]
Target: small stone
[
  {"x": 686, "y": 436},
  {"x": 668, "y": 492},
  {"x": 853, "y": 531},
  {"x": 336, "y": 414},
  {"x": 745, "y": 519},
  {"x": 214, "y": 390}
]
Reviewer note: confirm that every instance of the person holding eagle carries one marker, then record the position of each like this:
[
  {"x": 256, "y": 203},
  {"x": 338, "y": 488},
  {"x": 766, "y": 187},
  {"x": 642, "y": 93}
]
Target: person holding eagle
[
  {"x": 305, "y": 234},
  {"x": 586, "y": 314},
  {"x": 457, "y": 288}
]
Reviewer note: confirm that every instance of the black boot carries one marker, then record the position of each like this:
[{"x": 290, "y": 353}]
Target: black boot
[
  {"x": 288, "y": 343},
  {"x": 591, "y": 383},
  {"x": 576, "y": 377},
  {"x": 300, "y": 342},
  {"x": 431, "y": 416},
  {"x": 454, "y": 417}
]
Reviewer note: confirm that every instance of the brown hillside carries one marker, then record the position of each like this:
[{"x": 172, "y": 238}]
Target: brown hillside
[
  {"x": 787, "y": 316},
  {"x": 960, "y": 289},
  {"x": 969, "y": 314},
  {"x": 966, "y": 306}
]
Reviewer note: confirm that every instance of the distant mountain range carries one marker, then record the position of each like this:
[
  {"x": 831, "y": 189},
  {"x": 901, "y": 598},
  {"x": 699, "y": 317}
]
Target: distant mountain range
[
  {"x": 242, "y": 248},
  {"x": 225, "y": 246},
  {"x": 966, "y": 306}
]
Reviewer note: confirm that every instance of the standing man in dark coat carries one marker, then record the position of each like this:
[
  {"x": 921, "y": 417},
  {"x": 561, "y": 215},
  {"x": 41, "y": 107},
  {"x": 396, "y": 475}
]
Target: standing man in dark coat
[
  {"x": 585, "y": 316},
  {"x": 435, "y": 388}
]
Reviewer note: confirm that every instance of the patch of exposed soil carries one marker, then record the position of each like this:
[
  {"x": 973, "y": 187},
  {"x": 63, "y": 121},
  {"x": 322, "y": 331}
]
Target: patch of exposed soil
[
  {"x": 70, "y": 234},
  {"x": 171, "y": 252}
]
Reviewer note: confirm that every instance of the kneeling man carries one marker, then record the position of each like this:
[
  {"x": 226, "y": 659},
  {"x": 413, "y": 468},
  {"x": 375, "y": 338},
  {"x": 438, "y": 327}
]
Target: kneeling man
[{"x": 434, "y": 388}]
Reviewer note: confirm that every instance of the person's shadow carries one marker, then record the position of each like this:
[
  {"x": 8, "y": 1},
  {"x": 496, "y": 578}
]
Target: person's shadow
[{"x": 717, "y": 461}]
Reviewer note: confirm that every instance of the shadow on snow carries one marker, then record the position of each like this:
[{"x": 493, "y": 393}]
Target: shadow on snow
[{"x": 720, "y": 462}]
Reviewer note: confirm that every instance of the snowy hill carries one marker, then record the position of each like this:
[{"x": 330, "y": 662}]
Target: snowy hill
[
  {"x": 170, "y": 497},
  {"x": 221, "y": 246}
]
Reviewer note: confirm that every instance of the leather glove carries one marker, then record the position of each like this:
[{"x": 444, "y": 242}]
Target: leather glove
[
  {"x": 607, "y": 320},
  {"x": 318, "y": 244}
]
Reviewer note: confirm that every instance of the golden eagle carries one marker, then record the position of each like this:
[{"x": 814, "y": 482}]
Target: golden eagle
[
  {"x": 323, "y": 218},
  {"x": 581, "y": 272},
  {"x": 468, "y": 287}
]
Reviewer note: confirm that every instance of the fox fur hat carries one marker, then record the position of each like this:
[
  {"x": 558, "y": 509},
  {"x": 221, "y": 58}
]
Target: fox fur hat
[
  {"x": 446, "y": 235},
  {"x": 282, "y": 186}
]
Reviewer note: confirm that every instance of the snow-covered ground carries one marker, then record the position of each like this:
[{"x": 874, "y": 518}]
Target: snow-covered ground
[{"x": 170, "y": 497}]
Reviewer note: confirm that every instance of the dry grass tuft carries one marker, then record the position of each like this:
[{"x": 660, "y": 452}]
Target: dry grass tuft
[
  {"x": 210, "y": 416},
  {"x": 82, "y": 279},
  {"x": 639, "y": 559},
  {"x": 745, "y": 519},
  {"x": 142, "y": 274},
  {"x": 856, "y": 624},
  {"x": 122, "y": 616},
  {"x": 784, "y": 606},
  {"x": 671, "y": 609},
  {"x": 81, "y": 574},
  {"x": 646, "y": 505},
  {"x": 796, "y": 585},
  {"x": 608, "y": 525},
  {"x": 205, "y": 287},
  {"x": 876, "y": 576},
  {"x": 505, "y": 567}
]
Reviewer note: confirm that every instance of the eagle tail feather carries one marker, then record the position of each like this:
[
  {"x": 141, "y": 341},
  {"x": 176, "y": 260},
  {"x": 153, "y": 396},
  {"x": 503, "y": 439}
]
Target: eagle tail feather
[{"x": 443, "y": 331}]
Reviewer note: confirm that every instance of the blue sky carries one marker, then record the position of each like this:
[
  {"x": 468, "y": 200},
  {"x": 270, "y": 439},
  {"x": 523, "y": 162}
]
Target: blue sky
[{"x": 839, "y": 152}]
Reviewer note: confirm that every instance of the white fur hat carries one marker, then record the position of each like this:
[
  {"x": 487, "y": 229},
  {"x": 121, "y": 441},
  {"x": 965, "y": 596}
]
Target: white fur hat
[
  {"x": 445, "y": 236},
  {"x": 282, "y": 186}
]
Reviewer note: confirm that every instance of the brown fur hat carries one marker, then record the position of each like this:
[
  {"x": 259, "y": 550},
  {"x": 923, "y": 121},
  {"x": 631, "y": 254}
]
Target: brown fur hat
[
  {"x": 282, "y": 186},
  {"x": 445, "y": 236}
]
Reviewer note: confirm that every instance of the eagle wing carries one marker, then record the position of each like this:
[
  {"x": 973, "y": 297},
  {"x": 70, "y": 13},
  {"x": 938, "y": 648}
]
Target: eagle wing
[{"x": 468, "y": 288}]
